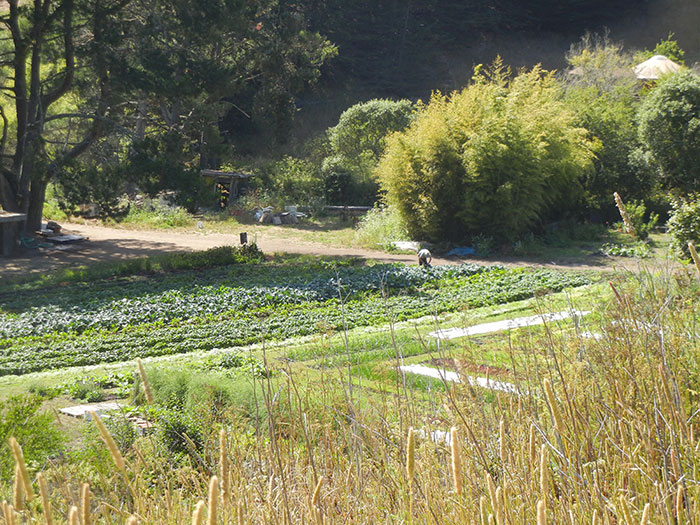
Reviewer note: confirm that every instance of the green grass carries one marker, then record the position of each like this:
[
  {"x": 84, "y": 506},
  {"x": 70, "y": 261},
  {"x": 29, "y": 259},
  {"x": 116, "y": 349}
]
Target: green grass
[{"x": 171, "y": 262}]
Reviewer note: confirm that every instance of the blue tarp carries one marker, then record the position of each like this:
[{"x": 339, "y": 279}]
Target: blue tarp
[{"x": 462, "y": 251}]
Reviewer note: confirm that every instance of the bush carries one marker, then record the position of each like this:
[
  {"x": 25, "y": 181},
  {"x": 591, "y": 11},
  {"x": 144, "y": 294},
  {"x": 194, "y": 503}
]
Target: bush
[
  {"x": 669, "y": 130},
  {"x": 642, "y": 224},
  {"x": 173, "y": 425},
  {"x": 493, "y": 159},
  {"x": 35, "y": 432},
  {"x": 350, "y": 182},
  {"x": 380, "y": 226},
  {"x": 295, "y": 181},
  {"x": 684, "y": 224},
  {"x": 86, "y": 390},
  {"x": 364, "y": 127},
  {"x": 355, "y": 145},
  {"x": 161, "y": 163},
  {"x": 604, "y": 93},
  {"x": 196, "y": 392},
  {"x": 154, "y": 213},
  {"x": 639, "y": 250}
]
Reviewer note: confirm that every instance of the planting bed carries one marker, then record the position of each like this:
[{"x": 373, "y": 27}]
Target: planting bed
[{"x": 119, "y": 319}]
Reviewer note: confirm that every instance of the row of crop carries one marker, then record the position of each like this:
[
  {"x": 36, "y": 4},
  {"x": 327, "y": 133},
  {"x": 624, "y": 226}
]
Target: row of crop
[
  {"x": 240, "y": 327},
  {"x": 104, "y": 306}
]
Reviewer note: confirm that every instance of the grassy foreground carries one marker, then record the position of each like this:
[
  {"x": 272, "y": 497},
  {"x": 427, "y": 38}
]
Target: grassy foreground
[{"x": 325, "y": 430}]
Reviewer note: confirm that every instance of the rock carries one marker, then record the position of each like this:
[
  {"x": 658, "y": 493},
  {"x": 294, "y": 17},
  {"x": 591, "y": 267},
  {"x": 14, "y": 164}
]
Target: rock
[{"x": 53, "y": 226}]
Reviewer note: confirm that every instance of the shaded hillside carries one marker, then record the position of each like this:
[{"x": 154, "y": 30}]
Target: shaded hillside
[{"x": 392, "y": 46}]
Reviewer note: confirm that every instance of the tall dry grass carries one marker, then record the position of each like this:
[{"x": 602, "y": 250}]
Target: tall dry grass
[{"x": 605, "y": 432}]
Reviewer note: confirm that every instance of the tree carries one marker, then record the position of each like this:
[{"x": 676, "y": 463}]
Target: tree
[
  {"x": 492, "y": 159},
  {"x": 111, "y": 73},
  {"x": 39, "y": 62},
  {"x": 669, "y": 130},
  {"x": 668, "y": 48},
  {"x": 601, "y": 88},
  {"x": 355, "y": 145}
]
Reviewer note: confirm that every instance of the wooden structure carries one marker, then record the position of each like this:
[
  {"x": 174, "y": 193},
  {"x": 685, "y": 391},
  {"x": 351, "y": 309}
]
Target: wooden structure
[
  {"x": 9, "y": 224},
  {"x": 347, "y": 212},
  {"x": 227, "y": 184}
]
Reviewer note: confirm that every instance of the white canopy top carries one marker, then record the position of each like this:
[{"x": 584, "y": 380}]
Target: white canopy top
[{"x": 655, "y": 67}]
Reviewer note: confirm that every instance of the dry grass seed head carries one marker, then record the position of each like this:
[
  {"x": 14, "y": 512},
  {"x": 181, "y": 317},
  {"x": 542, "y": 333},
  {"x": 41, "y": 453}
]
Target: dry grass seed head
[
  {"x": 410, "y": 455},
  {"x": 223, "y": 466},
  {"x": 45, "y": 501},
  {"x": 18, "y": 495},
  {"x": 8, "y": 512},
  {"x": 198, "y": 514},
  {"x": 73, "y": 516},
  {"x": 317, "y": 494},
  {"x": 109, "y": 441},
  {"x": 694, "y": 255},
  {"x": 213, "y": 500},
  {"x": 22, "y": 467},
  {"x": 456, "y": 461},
  {"x": 85, "y": 503},
  {"x": 541, "y": 513},
  {"x": 144, "y": 380}
]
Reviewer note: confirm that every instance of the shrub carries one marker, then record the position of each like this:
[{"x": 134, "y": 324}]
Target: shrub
[
  {"x": 364, "y": 127},
  {"x": 355, "y": 145},
  {"x": 296, "y": 181},
  {"x": 173, "y": 425},
  {"x": 154, "y": 213},
  {"x": 638, "y": 250},
  {"x": 380, "y": 226},
  {"x": 34, "y": 430},
  {"x": 493, "y": 159},
  {"x": 669, "y": 130},
  {"x": 684, "y": 224},
  {"x": 86, "y": 390},
  {"x": 642, "y": 224},
  {"x": 349, "y": 182},
  {"x": 191, "y": 391},
  {"x": 604, "y": 93},
  {"x": 668, "y": 48}
]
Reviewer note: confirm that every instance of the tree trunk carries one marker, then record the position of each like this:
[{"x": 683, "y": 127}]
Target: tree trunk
[
  {"x": 8, "y": 199},
  {"x": 36, "y": 206}
]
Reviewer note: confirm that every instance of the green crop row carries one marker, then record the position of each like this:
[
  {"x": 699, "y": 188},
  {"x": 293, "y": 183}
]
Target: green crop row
[{"x": 361, "y": 303}]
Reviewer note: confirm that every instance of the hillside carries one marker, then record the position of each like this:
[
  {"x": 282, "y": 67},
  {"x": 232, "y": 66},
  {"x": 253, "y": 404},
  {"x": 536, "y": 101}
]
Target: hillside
[{"x": 398, "y": 50}]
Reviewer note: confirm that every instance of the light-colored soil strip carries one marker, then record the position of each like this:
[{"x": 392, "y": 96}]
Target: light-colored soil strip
[
  {"x": 453, "y": 377},
  {"x": 81, "y": 410},
  {"x": 506, "y": 324}
]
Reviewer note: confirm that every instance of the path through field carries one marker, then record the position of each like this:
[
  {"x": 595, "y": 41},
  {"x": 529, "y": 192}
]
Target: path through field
[{"x": 110, "y": 244}]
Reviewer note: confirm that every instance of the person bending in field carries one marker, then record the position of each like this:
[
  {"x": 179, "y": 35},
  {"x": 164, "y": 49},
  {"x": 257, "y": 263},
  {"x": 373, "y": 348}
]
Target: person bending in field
[{"x": 424, "y": 258}]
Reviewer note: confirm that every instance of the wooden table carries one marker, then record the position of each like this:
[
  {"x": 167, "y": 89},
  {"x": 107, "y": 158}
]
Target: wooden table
[{"x": 9, "y": 222}]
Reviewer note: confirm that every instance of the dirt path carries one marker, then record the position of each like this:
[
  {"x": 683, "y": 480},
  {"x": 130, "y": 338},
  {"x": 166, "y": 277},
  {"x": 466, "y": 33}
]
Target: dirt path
[{"x": 110, "y": 244}]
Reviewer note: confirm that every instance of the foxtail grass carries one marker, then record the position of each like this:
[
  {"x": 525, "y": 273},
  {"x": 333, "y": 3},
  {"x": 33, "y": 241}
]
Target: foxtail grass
[
  {"x": 144, "y": 380},
  {"x": 213, "y": 501},
  {"x": 22, "y": 469}
]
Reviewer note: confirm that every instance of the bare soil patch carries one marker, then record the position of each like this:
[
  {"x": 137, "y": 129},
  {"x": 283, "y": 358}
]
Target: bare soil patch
[{"x": 105, "y": 244}]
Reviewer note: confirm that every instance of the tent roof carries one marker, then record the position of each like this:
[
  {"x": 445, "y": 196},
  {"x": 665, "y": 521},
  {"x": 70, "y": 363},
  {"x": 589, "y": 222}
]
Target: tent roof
[{"x": 655, "y": 67}]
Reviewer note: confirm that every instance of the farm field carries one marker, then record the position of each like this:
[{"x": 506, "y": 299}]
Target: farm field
[
  {"x": 284, "y": 377},
  {"x": 144, "y": 316}
]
